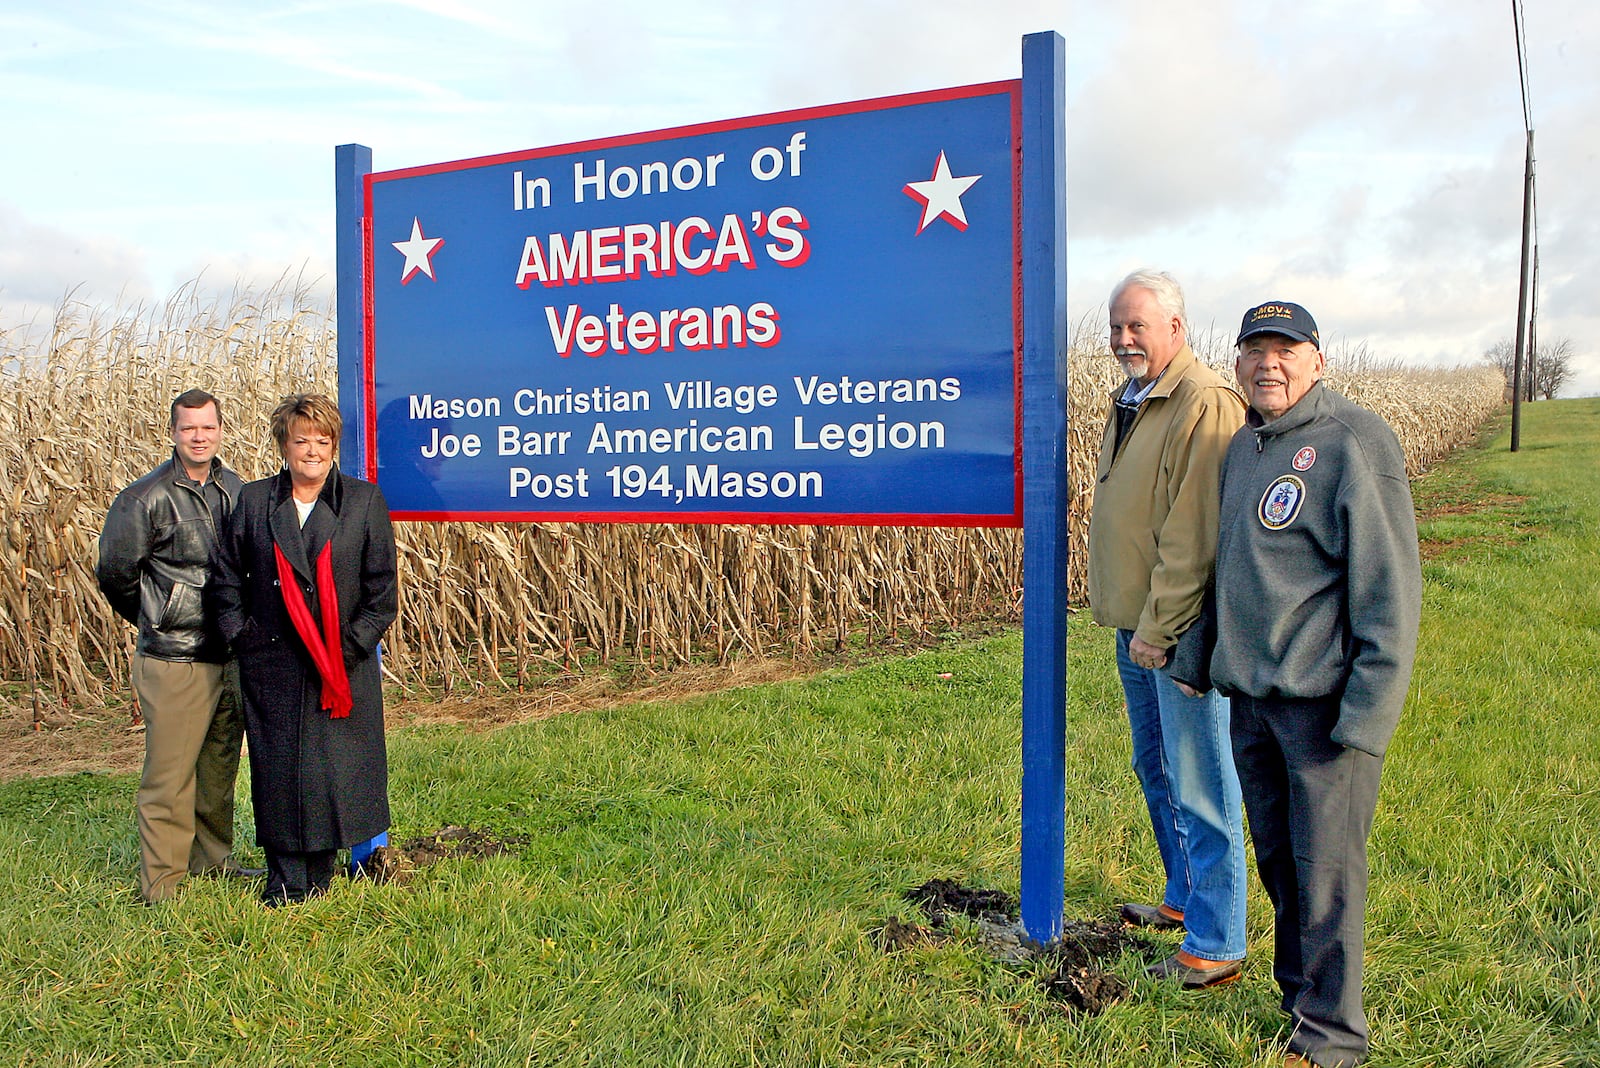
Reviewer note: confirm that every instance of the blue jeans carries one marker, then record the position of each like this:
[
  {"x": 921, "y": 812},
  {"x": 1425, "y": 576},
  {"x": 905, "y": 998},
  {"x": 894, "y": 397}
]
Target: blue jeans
[{"x": 1183, "y": 756}]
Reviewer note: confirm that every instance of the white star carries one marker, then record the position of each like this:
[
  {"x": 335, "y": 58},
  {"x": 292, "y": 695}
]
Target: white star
[
  {"x": 418, "y": 252},
  {"x": 941, "y": 195}
]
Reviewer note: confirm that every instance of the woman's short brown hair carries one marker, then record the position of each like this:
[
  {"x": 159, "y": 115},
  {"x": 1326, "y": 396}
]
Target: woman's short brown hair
[{"x": 313, "y": 408}]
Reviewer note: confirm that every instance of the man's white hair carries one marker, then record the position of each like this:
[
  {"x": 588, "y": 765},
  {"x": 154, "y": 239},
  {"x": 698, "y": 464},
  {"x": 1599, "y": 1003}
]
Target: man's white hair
[{"x": 1162, "y": 286}]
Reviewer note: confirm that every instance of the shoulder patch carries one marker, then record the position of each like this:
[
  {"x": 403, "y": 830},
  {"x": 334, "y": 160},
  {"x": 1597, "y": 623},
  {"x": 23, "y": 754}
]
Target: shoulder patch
[
  {"x": 1305, "y": 458},
  {"x": 1281, "y": 503}
]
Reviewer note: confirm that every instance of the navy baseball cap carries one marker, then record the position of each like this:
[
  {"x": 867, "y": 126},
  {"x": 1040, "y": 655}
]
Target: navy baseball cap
[{"x": 1279, "y": 317}]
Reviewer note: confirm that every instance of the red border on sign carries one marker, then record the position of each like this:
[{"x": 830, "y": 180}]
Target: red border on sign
[
  {"x": 1016, "y": 294},
  {"x": 1013, "y": 87}
]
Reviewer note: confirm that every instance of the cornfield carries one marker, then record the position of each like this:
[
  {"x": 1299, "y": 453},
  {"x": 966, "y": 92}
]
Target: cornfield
[{"x": 83, "y": 414}]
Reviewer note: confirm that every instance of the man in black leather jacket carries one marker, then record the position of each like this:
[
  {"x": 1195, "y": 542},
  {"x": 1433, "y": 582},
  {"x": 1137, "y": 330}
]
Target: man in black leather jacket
[{"x": 155, "y": 560}]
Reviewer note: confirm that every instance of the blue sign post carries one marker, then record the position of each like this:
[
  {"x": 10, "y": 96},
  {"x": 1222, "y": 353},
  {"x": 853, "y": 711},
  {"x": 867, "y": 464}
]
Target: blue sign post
[
  {"x": 1044, "y": 459},
  {"x": 351, "y": 165},
  {"x": 850, "y": 314}
]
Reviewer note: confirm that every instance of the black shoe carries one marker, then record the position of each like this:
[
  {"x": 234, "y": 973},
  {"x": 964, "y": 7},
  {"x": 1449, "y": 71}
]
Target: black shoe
[
  {"x": 275, "y": 899},
  {"x": 1136, "y": 915},
  {"x": 1195, "y": 978}
]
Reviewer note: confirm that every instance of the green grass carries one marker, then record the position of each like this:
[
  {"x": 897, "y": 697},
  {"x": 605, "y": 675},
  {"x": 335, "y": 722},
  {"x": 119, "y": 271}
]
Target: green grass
[{"x": 703, "y": 876}]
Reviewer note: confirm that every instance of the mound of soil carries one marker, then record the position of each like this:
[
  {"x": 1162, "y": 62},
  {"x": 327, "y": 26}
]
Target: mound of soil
[
  {"x": 897, "y": 934},
  {"x": 396, "y": 864},
  {"x": 1076, "y": 981},
  {"x": 460, "y": 842},
  {"x": 940, "y": 897}
]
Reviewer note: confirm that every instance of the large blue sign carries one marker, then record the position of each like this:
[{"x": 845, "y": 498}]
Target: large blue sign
[{"x": 807, "y": 317}]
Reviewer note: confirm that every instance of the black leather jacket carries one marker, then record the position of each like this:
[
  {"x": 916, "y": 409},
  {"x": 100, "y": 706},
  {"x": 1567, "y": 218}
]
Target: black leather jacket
[{"x": 155, "y": 559}]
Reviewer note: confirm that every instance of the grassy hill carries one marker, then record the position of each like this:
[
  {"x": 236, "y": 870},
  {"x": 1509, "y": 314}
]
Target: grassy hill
[{"x": 699, "y": 882}]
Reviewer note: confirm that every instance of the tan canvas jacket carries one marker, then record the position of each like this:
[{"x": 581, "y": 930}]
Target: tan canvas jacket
[{"x": 1153, "y": 528}]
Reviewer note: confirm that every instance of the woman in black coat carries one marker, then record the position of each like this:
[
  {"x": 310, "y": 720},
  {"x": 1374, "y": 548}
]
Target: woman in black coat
[{"x": 304, "y": 586}]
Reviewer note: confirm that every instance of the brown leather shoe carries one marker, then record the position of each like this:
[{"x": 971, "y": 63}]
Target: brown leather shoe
[
  {"x": 1297, "y": 1060},
  {"x": 1195, "y": 978},
  {"x": 1151, "y": 916}
]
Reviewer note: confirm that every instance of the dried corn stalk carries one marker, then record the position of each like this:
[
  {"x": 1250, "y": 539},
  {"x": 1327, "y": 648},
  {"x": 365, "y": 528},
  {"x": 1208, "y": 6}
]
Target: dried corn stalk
[{"x": 84, "y": 412}]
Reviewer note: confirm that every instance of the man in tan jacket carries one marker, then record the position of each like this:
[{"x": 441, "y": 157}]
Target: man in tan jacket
[{"x": 1152, "y": 543}]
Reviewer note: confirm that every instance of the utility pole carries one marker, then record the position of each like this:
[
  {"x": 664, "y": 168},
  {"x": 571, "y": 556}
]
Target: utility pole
[
  {"x": 1522, "y": 300},
  {"x": 1533, "y": 328}
]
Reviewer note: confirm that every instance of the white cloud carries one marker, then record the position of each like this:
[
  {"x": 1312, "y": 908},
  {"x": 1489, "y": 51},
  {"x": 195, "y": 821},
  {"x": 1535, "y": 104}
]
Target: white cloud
[{"x": 40, "y": 263}]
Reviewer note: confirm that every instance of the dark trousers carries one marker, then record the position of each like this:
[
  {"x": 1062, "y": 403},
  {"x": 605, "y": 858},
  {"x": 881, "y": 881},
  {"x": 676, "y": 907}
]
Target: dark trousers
[
  {"x": 1310, "y": 802},
  {"x": 293, "y": 877}
]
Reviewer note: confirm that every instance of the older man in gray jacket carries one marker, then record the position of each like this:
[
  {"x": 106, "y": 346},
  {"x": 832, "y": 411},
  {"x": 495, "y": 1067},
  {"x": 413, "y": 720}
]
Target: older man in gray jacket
[
  {"x": 1318, "y": 594},
  {"x": 155, "y": 560}
]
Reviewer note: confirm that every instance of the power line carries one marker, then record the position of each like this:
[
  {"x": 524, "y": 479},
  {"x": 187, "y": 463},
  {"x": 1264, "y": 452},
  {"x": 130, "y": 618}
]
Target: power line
[
  {"x": 1527, "y": 119},
  {"x": 1522, "y": 62},
  {"x": 1520, "y": 29}
]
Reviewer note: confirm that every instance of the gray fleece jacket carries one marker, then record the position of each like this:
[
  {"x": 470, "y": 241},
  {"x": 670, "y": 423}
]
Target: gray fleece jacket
[{"x": 1318, "y": 579}]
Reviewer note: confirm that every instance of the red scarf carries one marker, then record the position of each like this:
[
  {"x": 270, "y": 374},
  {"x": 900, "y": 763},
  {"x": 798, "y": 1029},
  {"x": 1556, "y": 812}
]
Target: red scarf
[{"x": 326, "y": 650}]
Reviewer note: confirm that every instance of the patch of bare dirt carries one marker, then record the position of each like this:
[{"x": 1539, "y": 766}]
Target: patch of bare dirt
[
  {"x": 107, "y": 739},
  {"x": 67, "y": 741},
  {"x": 488, "y": 710},
  {"x": 1482, "y": 503},
  {"x": 1432, "y": 548}
]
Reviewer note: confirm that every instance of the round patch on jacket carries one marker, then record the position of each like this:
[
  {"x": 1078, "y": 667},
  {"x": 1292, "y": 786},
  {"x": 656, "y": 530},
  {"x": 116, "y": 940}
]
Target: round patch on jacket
[
  {"x": 1305, "y": 458},
  {"x": 1281, "y": 503}
]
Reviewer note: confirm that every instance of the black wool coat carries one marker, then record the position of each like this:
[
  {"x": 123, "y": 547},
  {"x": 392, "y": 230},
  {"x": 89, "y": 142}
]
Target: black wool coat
[{"x": 317, "y": 783}]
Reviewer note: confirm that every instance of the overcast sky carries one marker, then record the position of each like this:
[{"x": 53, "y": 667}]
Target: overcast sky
[{"x": 1363, "y": 159}]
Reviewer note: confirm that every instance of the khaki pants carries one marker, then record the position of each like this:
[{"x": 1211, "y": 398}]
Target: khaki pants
[{"x": 193, "y": 728}]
